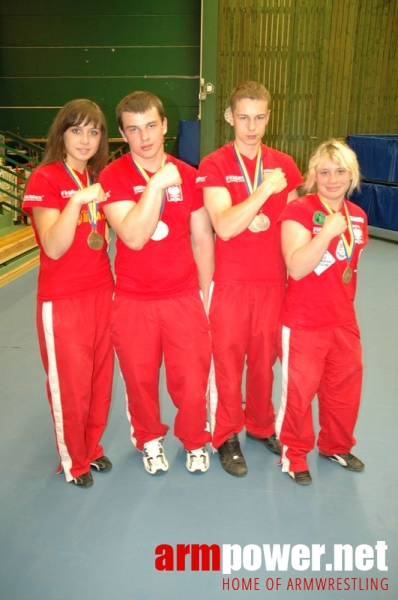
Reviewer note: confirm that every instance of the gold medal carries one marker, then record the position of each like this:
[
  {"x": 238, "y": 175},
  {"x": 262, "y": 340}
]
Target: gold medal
[
  {"x": 347, "y": 275},
  {"x": 260, "y": 223},
  {"x": 95, "y": 240}
]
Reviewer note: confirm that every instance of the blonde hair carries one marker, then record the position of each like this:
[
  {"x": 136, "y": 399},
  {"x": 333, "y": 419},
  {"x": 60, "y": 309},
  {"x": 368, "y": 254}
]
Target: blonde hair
[{"x": 340, "y": 154}]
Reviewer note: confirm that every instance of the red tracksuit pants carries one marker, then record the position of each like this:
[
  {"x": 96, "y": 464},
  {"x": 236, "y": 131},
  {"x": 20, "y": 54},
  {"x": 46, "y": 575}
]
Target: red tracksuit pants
[
  {"x": 78, "y": 358},
  {"x": 244, "y": 326},
  {"x": 326, "y": 363},
  {"x": 176, "y": 330}
]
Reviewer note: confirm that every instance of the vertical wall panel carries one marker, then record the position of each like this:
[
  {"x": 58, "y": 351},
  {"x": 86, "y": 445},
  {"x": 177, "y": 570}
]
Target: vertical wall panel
[{"x": 331, "y": 67}]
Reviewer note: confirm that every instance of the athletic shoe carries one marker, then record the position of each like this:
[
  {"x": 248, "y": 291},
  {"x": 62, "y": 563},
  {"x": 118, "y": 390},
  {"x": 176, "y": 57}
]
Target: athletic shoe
[
  {"x": 348, "y": 461},
  {"x": 102, "y": 464},
  {"x": 271, "y": 443},
  {"x": 231, "y": 457},
  {"x": 154, "y": 457},
  {"x": 301, "y": 477},
  {"x": 84, "y": 481},
  {"x": 198, "y": 460}
]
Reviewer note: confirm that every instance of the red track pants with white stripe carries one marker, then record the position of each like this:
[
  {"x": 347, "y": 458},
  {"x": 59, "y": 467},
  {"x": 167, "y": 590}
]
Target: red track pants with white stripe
[
  {"x": 77, "y": 354},
  {"x": 244, "y": 326},
  {"x": 176, "y": 329},
  {"x": 327, "y": 363}
]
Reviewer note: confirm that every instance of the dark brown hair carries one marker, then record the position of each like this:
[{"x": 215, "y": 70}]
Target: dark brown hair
[
  {"x": 138, "y": 102},
  {"x": 77, "y": 112}
]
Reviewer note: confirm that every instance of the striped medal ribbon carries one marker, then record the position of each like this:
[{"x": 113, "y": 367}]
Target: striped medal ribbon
[
  {"x": 162, "y": 229},
  {"x": 95, "y": 240},
  {"x": 348, "y": 246},
  {"x": 260, "y": 222}
]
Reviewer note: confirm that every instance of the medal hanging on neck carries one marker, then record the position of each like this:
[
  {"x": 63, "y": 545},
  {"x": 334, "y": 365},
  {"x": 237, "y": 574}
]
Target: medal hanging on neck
[
  {"x": 162, "y": 229},
  {"x": 95, "y": 240},
  {"x": 260, "y": 222},
  {"x": 348, "y": 246}
]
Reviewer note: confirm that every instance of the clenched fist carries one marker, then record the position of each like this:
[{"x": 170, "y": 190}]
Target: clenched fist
[
  {"x": 167, "y": 176},
  {"x": 275, "y": 179},
  {"x": 335, "y": 224},
  {"x": 92, "y": 193}
]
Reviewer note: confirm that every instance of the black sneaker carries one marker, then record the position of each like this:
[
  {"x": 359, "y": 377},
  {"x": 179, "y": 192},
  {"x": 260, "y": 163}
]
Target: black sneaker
[
  {"x": 348, "y": 461},
  {"x": 84, "y": 481},
  {"x": 231, "y": 457},
  {"x": 301, "y": 477},
  {"x": 102, "y": 464},
  {"x": 271, "y": 443}
]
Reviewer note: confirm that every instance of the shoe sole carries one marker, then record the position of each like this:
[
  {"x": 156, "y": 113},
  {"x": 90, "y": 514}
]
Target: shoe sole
[
  {"x": 347, "y": 467},
  {"x": 157, "y": 472},
  {"x": 84, "y": 486},
  {"x": 197, "y": 471},
  {"x": 300, "y": 482},
  {"x": 234, "y": 474}
]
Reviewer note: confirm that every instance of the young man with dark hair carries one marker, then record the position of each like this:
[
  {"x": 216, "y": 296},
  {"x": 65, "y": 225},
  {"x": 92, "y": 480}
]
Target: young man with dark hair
[{"x": 155, "y": 211}]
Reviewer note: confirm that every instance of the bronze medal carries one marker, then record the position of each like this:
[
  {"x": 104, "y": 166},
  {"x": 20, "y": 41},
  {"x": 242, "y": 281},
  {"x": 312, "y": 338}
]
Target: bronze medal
[
  {"x": 260, "y": 223},
  {"x": 347, "y": 275},
  {"x": 95, "y": 240}
]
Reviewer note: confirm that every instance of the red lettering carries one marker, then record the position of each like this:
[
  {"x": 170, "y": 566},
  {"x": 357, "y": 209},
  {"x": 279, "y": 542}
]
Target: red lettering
[
  {"x": 182, "y": 551},
  {"x": 204, "y": 551},
  {"x": 165, "y": 560}
]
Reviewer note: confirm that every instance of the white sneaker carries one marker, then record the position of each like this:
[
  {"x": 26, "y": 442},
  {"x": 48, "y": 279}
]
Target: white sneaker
[
  {"x": 154, "y": 457},
  {"x": 198, "y": 460}
]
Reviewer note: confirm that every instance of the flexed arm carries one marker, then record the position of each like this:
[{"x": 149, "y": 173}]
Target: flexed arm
[
  {"x": 229, "y": 221},
  {"x": 57, "y": 229},
  {"x": 135, "y": 222},
  {"x": 301, "y": 252}
]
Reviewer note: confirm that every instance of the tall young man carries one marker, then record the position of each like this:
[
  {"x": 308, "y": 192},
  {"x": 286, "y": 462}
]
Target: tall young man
[
  {"x": 158, "y": 314},
  {"x": 246, "y": 186}
]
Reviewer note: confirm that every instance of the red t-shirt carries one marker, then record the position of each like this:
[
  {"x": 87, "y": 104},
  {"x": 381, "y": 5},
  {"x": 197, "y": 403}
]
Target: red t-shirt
[
  {"x": 322, "y": 299},
  {"x": 163, "y": 268},
  {"x": 253, "y": 258},
  {"x": 80, "y": 270}
]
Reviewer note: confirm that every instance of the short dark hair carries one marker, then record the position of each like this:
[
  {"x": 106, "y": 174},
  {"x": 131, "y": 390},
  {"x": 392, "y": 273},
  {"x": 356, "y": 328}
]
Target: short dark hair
[{"x": 138, "y": 102}]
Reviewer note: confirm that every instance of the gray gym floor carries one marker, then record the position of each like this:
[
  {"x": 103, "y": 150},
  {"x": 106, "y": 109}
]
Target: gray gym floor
[{"x": 63, "y": 543}]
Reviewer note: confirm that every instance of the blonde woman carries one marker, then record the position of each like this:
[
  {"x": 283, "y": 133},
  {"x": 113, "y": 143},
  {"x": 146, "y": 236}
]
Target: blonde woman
[{"x": 323, "y": 235}]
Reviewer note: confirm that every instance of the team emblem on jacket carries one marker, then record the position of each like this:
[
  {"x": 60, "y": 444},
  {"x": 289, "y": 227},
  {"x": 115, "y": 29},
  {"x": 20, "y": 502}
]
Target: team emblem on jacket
[
  {"x": 318, "y": 218},
  {"x": 358, "y": 233},
  {"x": 174, "y": 193}
]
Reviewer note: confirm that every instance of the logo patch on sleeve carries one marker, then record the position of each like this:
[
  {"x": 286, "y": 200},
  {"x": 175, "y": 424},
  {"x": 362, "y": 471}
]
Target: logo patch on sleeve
[{"x": 318, "y": 218}]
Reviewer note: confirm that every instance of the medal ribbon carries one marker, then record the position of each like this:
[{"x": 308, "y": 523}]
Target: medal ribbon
[
  {"x": 92, "y": 208},
  {"x": 258, "y": 175},
  {"x": 145, "y": 175},
  {"x": 348, "y": 246}
]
